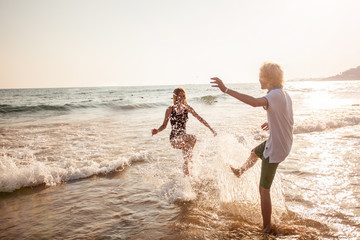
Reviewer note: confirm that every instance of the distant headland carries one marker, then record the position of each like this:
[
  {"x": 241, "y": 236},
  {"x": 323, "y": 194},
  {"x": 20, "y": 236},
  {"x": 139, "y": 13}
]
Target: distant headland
[{"x": 350, "y": 74}]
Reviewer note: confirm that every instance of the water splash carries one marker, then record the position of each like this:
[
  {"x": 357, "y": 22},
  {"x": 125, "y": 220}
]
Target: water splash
[{"x": 178, "y": 189}]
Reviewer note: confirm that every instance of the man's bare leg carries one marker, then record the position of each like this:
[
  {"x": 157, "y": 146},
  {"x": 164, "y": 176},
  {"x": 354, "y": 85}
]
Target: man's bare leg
[
  {"x": 266, "y": 209},
  {"x": 248, "y": 164}
]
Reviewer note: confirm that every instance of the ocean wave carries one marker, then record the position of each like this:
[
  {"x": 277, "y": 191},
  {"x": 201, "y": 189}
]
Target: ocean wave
[
  {"x": 136, "y": 106},
  {"x": 209, "y": 99},
  {"x": 8, "y": 109},
  {"x": 18, "y": 109},
  {"x": 17, "y": 173},
  {"x": 308, "y": 126}
]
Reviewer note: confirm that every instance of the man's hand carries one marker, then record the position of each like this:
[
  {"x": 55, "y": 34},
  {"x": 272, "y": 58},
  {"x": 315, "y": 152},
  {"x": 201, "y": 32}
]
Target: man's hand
[
  {"x": 265, "y": 126},
  {"x": 218, "y": 83}
]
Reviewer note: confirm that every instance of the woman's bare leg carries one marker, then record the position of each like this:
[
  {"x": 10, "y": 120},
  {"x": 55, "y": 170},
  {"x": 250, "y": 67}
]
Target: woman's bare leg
[
  {"x": 186, "y": 143},
  {"x": 189, "y": 141}
]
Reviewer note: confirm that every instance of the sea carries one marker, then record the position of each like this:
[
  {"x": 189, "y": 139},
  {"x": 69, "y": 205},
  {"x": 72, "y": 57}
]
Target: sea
[{"x": 81, "y": 163}]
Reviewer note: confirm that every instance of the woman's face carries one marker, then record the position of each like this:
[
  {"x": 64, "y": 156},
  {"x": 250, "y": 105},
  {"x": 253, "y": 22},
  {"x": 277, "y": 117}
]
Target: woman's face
[{"x": 180, "y": 98}]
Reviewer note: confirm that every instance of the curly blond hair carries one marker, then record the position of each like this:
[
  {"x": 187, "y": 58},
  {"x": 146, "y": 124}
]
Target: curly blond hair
[{"x": 272, "y": 74}]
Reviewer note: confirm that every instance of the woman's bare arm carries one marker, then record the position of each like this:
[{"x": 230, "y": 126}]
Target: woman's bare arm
[
  {"x": 166, "y": 120},
  {"x": 197, "y": 116}
]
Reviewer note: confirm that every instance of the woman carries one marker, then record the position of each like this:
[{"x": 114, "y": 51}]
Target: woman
[{"x": 178, "y": 115}]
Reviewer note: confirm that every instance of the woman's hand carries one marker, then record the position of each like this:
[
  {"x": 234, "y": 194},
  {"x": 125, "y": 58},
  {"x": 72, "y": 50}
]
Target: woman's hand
[
  {"x": 154, "y": 131},
  {"x": 215, "y": 133},
  {"x": 265, "y": 126},
  {"x": 218, "y": 83}
]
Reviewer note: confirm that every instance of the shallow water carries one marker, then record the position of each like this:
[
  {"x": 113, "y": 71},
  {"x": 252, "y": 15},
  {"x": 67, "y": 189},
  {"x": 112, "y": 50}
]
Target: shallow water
[{"x": 88, "y": 168}]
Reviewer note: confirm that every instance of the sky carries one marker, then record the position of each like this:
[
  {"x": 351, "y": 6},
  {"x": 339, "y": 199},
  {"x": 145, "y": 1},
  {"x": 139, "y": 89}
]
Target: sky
[{"x": 89, "y": 43}]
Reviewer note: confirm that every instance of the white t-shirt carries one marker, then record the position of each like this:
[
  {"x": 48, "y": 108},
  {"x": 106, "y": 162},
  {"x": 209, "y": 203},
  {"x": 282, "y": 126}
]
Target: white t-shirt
[{"x": 280, "y": 119}]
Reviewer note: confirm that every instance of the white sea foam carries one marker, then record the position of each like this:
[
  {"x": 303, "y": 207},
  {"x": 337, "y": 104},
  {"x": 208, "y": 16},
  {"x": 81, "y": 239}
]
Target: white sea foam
[
  {"x": 28, "y": 172},
  {"x": 323, "y": 124}
]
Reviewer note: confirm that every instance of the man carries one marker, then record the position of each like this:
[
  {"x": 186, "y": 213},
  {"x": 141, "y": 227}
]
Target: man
[{"x": 278, "y": 105}]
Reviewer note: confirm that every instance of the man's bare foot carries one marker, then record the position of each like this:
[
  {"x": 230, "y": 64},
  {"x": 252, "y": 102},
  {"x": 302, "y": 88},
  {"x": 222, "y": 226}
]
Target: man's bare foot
[
  {"x": 235, "y": 171},
  {"x": 267, "y": 229}
]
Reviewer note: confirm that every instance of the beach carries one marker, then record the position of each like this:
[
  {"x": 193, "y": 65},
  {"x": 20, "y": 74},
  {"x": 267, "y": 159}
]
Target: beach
[{"x": 80, "y": 163}]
